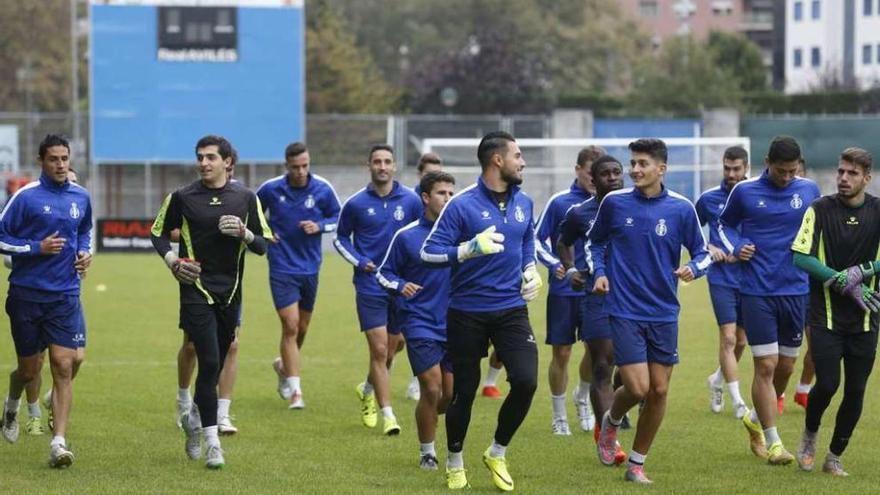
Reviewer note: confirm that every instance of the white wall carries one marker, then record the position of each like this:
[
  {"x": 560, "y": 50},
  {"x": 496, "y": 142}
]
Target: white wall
[{"x": 826, "y": 33}]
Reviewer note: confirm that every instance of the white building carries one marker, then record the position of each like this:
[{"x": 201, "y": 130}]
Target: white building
[{"x": 831, "y": 42}]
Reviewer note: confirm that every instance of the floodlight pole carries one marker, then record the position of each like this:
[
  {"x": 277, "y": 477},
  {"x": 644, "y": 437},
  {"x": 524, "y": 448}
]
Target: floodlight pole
[{"x": 74, "y": 74}]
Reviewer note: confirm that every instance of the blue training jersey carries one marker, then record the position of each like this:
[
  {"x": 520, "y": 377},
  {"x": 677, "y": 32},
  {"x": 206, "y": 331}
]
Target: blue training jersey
[
  {"x": 709, "y": 206},
  {"x": 366, "y": 225},
  {"x": 422, "y": 316},
  {"x": 573, "y": 231},
  {"x": 298, "y": 253},
  {"x": 35, "y": 212},
  {"x": 759, "y": 213},
  {"x": 636, "y": 242},
  {"x": 548, "y": 230},
  {"x": 485, "y": 283}
]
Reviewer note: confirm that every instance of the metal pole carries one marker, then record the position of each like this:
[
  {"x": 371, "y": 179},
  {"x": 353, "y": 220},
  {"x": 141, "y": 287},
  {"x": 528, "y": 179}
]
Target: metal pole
[
  {"x": 148, "y": 189},
  {"x": 74, "y": 75}
]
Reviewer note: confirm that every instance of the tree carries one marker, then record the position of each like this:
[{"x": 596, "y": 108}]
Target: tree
[
  {"x": 741, "y": 58},
  {"x": 683, "y": 79},
  {"x": 341, "y": 76}
]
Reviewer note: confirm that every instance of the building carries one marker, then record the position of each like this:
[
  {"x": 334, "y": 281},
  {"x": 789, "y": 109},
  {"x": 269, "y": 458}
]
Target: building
[
  {"x": 831, "y": 44},
  {"x": 666, "y": 18}
]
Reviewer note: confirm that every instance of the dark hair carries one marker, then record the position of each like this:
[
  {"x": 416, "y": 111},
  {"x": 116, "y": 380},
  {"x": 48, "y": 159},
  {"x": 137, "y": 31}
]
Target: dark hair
[
  {"x": 783, "y": 149},
  {"x": 428, "y": 158},
  {"x": 655, "y": 148},
  {"x": 234, "y": 157},
  {"x": 224, "y": 147},
  {"x": 736, "y": 153},
  {"x": 431, "y": 178},
  {"x": 590, "y": 154},
  {"x": 53, "y": 140},
  {"x": 379, "y": 147},
  {"x": 598, "y": 162},
  {"x": 492, "y": 143},
  {"x": 857, "y": 156},
  {"x": 294, "y": 149}
]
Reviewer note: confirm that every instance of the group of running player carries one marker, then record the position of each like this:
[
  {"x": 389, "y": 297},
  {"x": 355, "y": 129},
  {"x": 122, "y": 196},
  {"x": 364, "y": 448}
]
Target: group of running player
[{"x": 445, "y": 274}]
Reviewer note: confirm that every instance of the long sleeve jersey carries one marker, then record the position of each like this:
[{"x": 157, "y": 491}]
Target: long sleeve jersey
[
  {"x": 757, "y": 212},
  {"x": 486, "y": 283},
  {"x": 548, "y": 231},
  {"x": 367, "y": 223},
  {"x": 35, "y": 212},
  {"x": 709, "y": 206},
  {"x": 423, "y": 315},
  {"x": 573, "y": 231},
  {"x": 298, "y": 253},
  {"x": 196, "y": 211},
  {"x": 641, "y": 239}
]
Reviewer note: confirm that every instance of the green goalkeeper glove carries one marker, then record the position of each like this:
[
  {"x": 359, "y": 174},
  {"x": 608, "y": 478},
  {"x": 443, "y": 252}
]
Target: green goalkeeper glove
[{"x": 485, "y": 243}]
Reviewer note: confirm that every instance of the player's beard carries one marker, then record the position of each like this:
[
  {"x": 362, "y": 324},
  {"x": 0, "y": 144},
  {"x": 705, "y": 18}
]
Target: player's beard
[{"x": 511, "y": 178}]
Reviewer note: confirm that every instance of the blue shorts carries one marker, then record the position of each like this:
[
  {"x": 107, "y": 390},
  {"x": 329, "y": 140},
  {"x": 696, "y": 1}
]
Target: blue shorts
[
  {"x": 377, "y": 311},
  {"x": 424, "y": 354},
  {"x": 774, "y": 324},
  {"x": 563, "y": 320},
  {"x": 288, "y": 289},
  {"x": 35, "y": 325},
  {"x": 637, "y": 341},
  {"x": 594, "y": 319},
  {"x": 727, "y": 304}
]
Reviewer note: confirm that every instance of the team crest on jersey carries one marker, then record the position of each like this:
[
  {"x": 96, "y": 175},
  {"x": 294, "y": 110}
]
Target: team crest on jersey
[
  {"x": 796, "y": 202},
  {"x": 398, "y": 213},
  {"x": 47, "y": 209},
  {"x": 721, "y": 206},
  {"x": 310, "y": 201},
  {"x": 371, "y": 211},
  {"x": 852, "y": 221},
  {"x": 661, "y": 229},
  {"x": 761, "y": 203},
  {"x": 74, "y": 211},
  {"x": 519, "y": 214},
  {"x": 485, "y": 215},
  {"x": 629, "y": 221},
  {"x": 215, "y": 201},
  {"x": 282, "y": 199}
]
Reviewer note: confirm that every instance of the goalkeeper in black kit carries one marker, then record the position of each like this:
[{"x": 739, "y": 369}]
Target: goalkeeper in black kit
[
  {"x": 838, "y": 246},
  {"x": 218, "y": 220}
]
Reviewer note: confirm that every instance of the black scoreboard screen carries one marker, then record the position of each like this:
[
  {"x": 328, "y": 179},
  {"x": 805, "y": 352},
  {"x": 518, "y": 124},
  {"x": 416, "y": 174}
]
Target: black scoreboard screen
[{"x": 198, "y": 34}]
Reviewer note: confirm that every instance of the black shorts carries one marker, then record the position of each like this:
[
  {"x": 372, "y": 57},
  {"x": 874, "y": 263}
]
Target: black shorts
[
  {"x": 198, "y": 319},
  {"x": 469, "y": 334},
  {"x": 827, "y": 344}
]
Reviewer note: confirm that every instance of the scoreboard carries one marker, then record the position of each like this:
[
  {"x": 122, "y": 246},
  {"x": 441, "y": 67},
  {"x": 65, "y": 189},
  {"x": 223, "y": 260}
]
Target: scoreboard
[{"x": 163, "y": 73}]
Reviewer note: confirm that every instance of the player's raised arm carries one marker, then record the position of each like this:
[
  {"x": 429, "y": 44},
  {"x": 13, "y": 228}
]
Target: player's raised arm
[
  {"x": 11, "y": 219},
  {"x": 695, "y": 243},
  {"x": 542, "y": 238},
  {"x": 387, "y": 273},
  {"x": 330, "y": 209},
  {"x": 170, "y": 218},
  {"x": 342, "y": 241},
  {"x": 728, "y": 222}
]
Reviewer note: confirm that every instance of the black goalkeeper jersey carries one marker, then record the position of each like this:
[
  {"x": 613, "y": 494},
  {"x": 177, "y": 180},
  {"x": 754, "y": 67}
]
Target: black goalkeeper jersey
[
  {"x": 196, "y": 211},
  {"x": 840, "y": 237}
]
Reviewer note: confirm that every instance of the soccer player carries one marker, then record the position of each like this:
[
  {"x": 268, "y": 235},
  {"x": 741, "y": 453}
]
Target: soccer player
[
  {"x": 186, "y": 360},
  {"x": 808, "y": 372},
  {"x": 217, "y": 219},
  {"x": 607, "y": 175},
  {"x": 564, "y": 322},
  {"x": 46, "y": 227},
  {"x": 723, "y": 279},
  {"x": 837, "y": 246},
  {"x": 642, "y": 301},
  {"x": 301, "y": 207},
  {"x": 424, "y": 292},
  {"x": 368, "y": 220},
  {"x": 758, "y": 224},
  {"x": 486, "y": 233}
]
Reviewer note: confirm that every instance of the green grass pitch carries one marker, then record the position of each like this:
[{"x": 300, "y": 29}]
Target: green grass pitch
[{"x": 123, "y": 434}]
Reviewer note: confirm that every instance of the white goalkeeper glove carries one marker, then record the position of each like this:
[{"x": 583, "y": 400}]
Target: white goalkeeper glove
[
  {"x": 185, "y": 270},
  {"x": 531, "y": 283},
  {"x": 232, "y": 226},
  {"x": 484, "y": 243}
]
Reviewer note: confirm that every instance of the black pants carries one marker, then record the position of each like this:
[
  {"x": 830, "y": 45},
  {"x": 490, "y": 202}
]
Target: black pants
[
  {"x": 469, "y": 334},
  {"x": 211, "y": 329},
  {"x": 857, "y": 352}
]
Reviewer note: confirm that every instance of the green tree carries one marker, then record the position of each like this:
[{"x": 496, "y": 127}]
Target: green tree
[
  {"x": 741, "y": 58},
  {"x": 682, "y": 79},
  {"x": 341, "y": 76}
]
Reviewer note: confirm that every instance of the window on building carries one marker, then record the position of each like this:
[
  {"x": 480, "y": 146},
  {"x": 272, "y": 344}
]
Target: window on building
[
  {"x": 649, "y": 8},
  {"x": 798, "y": 11},
  {"x": 722, "y": 7},
  {"x": 816, "y": 9},
  {"x": 868, "y": 7},
  {"x": 798, "y": 57},
  {"x": 815, "y": 57},
  {"x": 867, "y": 55}
]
